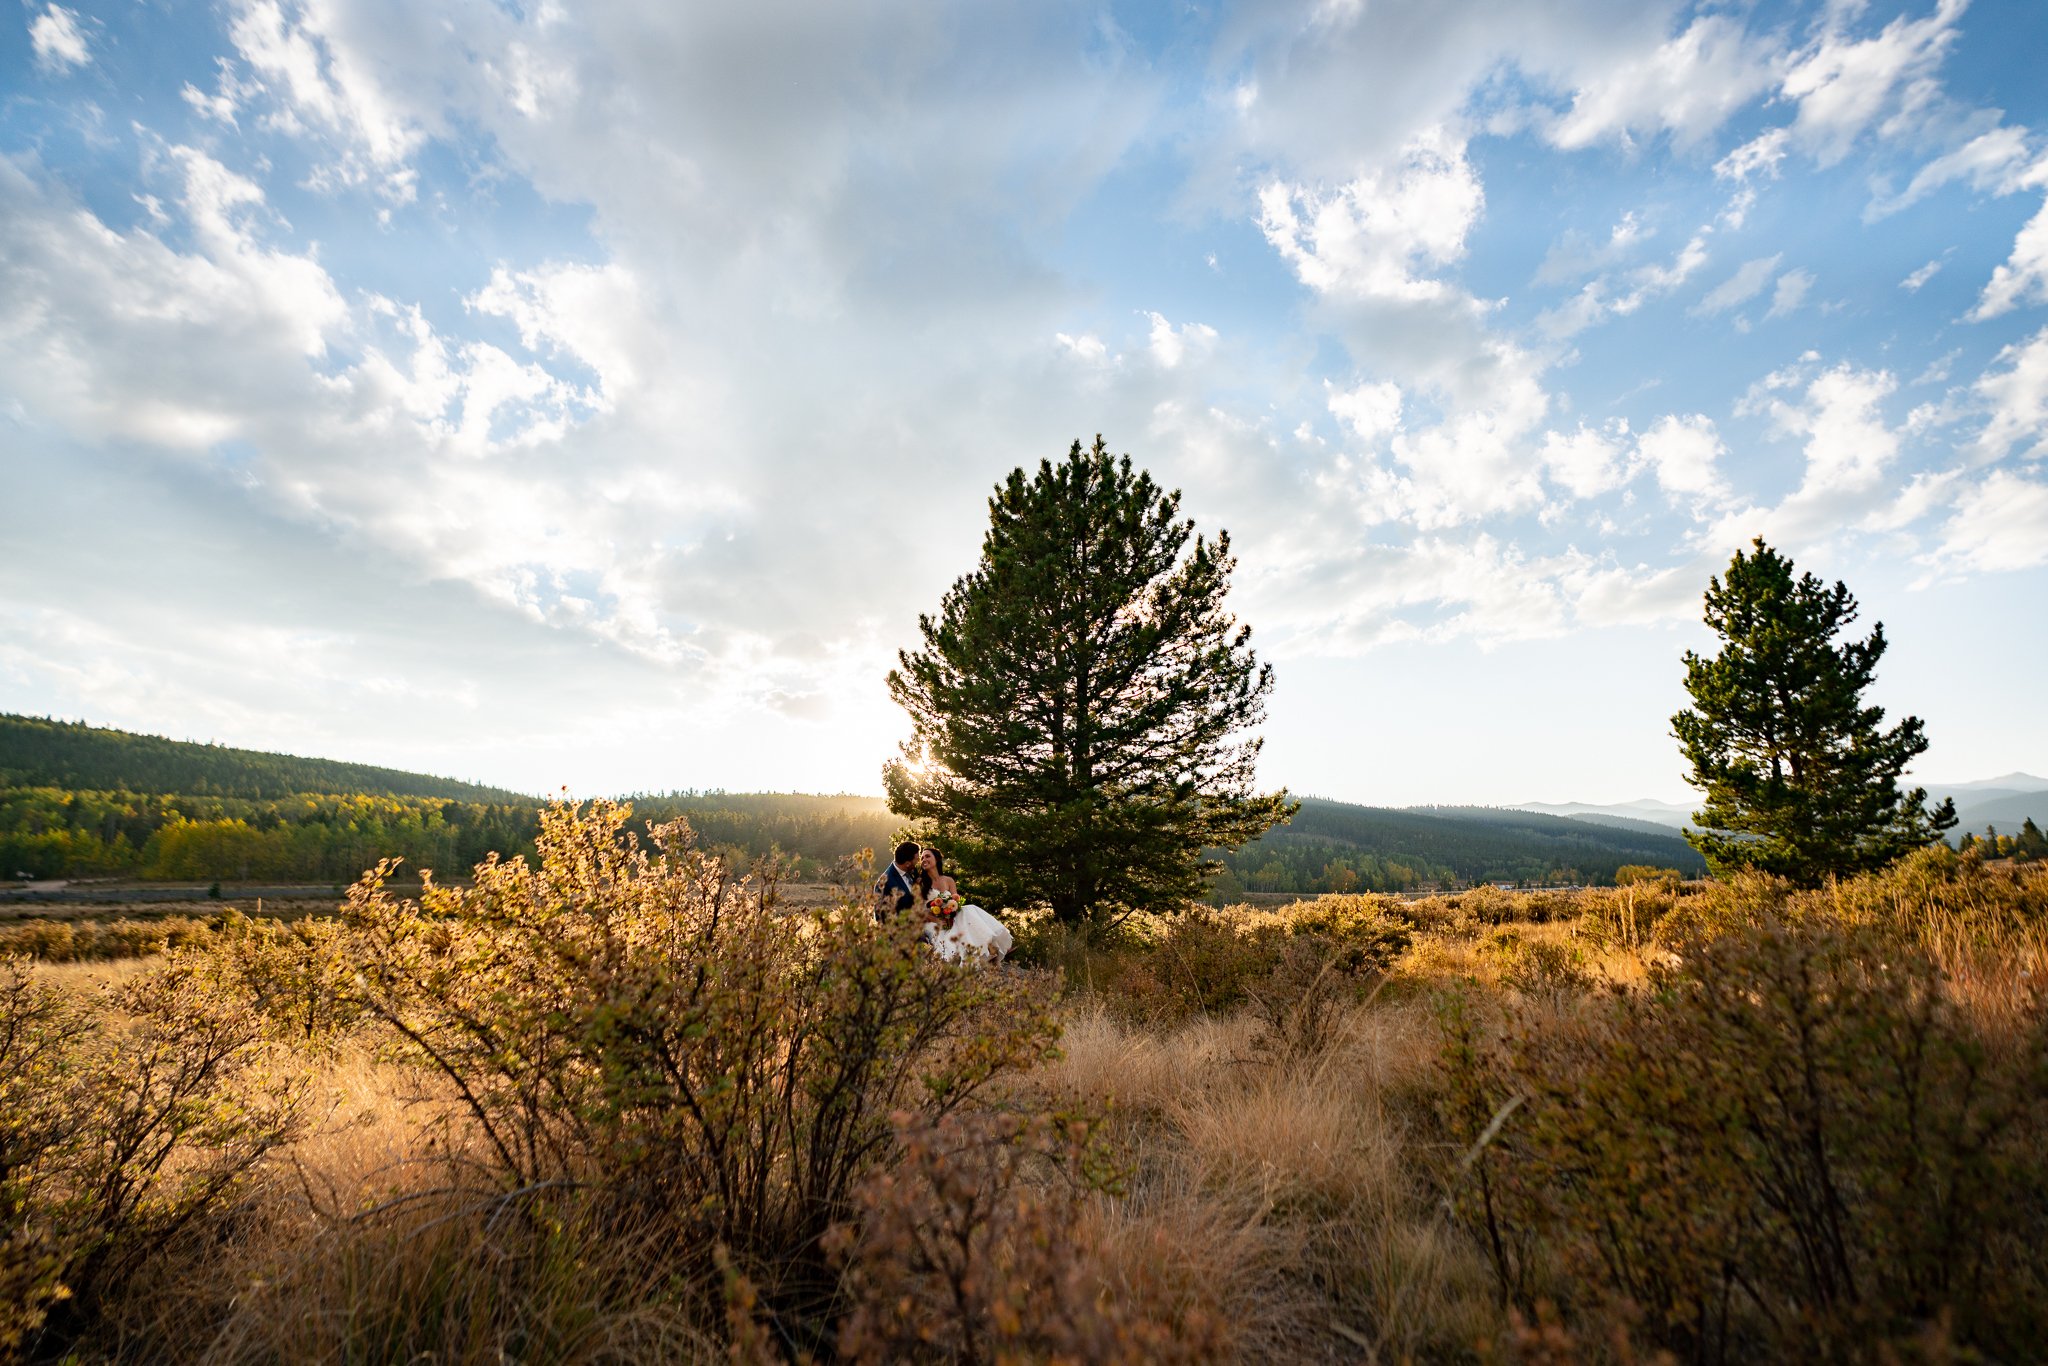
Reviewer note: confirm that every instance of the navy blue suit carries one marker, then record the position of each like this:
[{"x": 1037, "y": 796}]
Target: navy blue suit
[{"x": 896, "y": 883}]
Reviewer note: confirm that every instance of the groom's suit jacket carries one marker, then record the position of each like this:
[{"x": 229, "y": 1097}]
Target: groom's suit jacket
[{"x": 896, "y": 885}]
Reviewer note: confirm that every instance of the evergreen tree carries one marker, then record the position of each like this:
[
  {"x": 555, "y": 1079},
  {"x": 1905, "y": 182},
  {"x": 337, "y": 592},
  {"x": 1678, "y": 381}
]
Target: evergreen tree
[
  {"x": 1799, "y": 778},
  {"x": 1082, "y": 702}
]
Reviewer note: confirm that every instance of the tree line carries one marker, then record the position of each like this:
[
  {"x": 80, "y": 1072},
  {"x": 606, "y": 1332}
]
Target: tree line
[
  {"x": 49, "y": 832},
  {"x": 52, "y": 832}
]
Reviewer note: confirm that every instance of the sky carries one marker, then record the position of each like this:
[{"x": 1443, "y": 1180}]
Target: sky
[{"x": 593, "y": 395}]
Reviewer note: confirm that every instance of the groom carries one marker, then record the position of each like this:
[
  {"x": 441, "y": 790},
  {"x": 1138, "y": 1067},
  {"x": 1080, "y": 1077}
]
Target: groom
[{"x": 896, "y": 888}]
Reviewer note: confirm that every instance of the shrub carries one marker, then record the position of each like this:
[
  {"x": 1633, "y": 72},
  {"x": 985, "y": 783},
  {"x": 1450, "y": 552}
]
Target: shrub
[
  {"x": 1203, "y": 962},
  {"x": 298, "y": 975},
  {"x": 1367, "y": 933},
  {"x": 1790, "y": 1146},
  {"x": 1300, "y": 1002},
  {"x": 1935, "y": 891},
  {"x": 1537, "y": 967},
  {"x": 1627, "y": 916},
  {"x": 120, "y": 1128},
  {"x": 1647, "y": 874},
  {"x": 1737, "y": 904},
  {"x": 977, "y": 1247},
  {"x": 627, "y": 1029},
  {"x": 85, "y": 941},
  {"x": 1490, "y": 905}
]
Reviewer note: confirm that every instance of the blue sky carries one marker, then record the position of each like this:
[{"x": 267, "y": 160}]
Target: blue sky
[{"x": 593, "y": 395}]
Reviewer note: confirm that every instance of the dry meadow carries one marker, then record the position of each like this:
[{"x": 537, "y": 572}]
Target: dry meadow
[{"x": 617, "y": 1107}]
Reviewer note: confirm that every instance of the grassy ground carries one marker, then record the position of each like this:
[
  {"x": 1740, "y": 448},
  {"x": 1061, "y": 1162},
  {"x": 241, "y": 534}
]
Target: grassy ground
[{"x": 1342, "y": 1132}]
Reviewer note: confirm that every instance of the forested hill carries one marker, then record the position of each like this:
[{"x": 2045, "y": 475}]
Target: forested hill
[
  {"x": 79, "y": 801},
  {"x": 1335, "y": 846},
  {"x": 35, "y": 752}
]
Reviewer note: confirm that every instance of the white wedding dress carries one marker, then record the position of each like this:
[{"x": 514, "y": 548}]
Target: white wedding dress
[{"x": 974, "y": 936}]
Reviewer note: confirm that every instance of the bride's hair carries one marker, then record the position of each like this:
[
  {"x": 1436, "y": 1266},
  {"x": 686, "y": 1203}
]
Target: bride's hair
[{"x": 925, "y": 878}]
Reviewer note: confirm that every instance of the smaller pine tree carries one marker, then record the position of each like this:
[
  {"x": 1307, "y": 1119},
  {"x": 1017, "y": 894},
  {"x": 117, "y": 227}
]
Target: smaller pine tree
[{"x": 1799, "y": 775}]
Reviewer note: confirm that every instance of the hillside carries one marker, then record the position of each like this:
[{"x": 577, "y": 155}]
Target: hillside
[
  {"x": 79, "y": 801},
  {"x": 1336, "y": 846},
  {"x": 37, "y": 752}
]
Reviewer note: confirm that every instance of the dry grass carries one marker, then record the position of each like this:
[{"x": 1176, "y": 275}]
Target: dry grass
[
  {"x": 1293, "y": 1198},
  {"x": 370, "y": 1244},
  {"x": 1282, "y": 1192},
  {"x": 86, "y": 978},
  {"x": 1111, "y": 1066}
]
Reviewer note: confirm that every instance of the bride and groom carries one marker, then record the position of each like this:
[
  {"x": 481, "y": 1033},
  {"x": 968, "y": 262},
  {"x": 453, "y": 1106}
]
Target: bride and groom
[{"x": 956, "y": 929}]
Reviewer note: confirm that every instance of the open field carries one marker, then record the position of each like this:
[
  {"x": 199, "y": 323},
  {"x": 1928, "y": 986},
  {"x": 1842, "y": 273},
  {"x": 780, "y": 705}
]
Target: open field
[{"x": 1495, "y": 1126}]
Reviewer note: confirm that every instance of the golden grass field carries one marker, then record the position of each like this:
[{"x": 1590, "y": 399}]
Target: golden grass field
[{"x": 1354, "y": 1130}]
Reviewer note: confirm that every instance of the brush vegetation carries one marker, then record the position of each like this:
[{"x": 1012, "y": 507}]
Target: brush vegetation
[{"x": 614, "y": 1103}]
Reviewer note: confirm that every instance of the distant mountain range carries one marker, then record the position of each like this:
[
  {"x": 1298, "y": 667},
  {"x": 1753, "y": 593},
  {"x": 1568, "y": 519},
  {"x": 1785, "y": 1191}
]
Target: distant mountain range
[{"x": 2004, "y": 802}]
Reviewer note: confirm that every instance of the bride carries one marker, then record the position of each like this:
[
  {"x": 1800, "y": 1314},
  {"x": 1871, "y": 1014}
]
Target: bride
[{"x": 957, "y": 930}]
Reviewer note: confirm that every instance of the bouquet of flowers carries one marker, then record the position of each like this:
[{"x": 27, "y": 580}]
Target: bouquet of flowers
[{"x": 943, "y": 906}]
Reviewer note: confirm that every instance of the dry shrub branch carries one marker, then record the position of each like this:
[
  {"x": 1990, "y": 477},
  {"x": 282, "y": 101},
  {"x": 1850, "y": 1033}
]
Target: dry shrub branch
[
  {"x": 625, "y": 1029},
  {"x": 1792, "y": 1143},
  {"x": 124, "y": 1123}
]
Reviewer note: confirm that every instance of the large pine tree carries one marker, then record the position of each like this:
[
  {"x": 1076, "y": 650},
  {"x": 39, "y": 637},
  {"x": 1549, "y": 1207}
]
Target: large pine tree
[
  {"x": 1082, "y": 703},
  {"x": 1800, "y": 779}
]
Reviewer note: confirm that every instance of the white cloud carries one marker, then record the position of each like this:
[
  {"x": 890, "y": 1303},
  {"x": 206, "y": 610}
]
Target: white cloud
[
  {"x": 2024, "y": 276},
  {"x": 1851, "y": 454},
  {"x": 58, "y": 41},
  {"x": 1171, "y": 345},
  {"x": 1605, "y": 298},
  {"x": 1476, "y": 463},
  {"x": 1604, "y": 592},
  {"x": 341, "y": 412},
  {"x": 322, "y": 80},
  {"x": 591, "y": 313},
  {"x": 1745, "y": 284},
  {"x": 1369, "y": 411},
  {"x": 1476, "y": 588},
  {"x": 1790, "y": 293},
  {"x": 1087, "y": 348},
  {"x": 1688, "y": 86},
  {"x": 1589, "y": 461},
  {"x": 1999, "y": 524},
  {"x": 224, "y": 105},
  {"x": 1341, "y": 88},
  {"x": 1998, "y": 161},
  {"x": 1571, "y": 257},
  {"x": 1848, "y": 445},
  {"x": 1374, "y": 237},
  {"x": 106, "y": 329},
  {"x": 2017, "y": 397},
  {"x": 1686, "y": 452},
  {"x": 1912, "y": 283},
  {"x": 1844, "y": 85},
  {"x": 1761, "y": 154}
]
